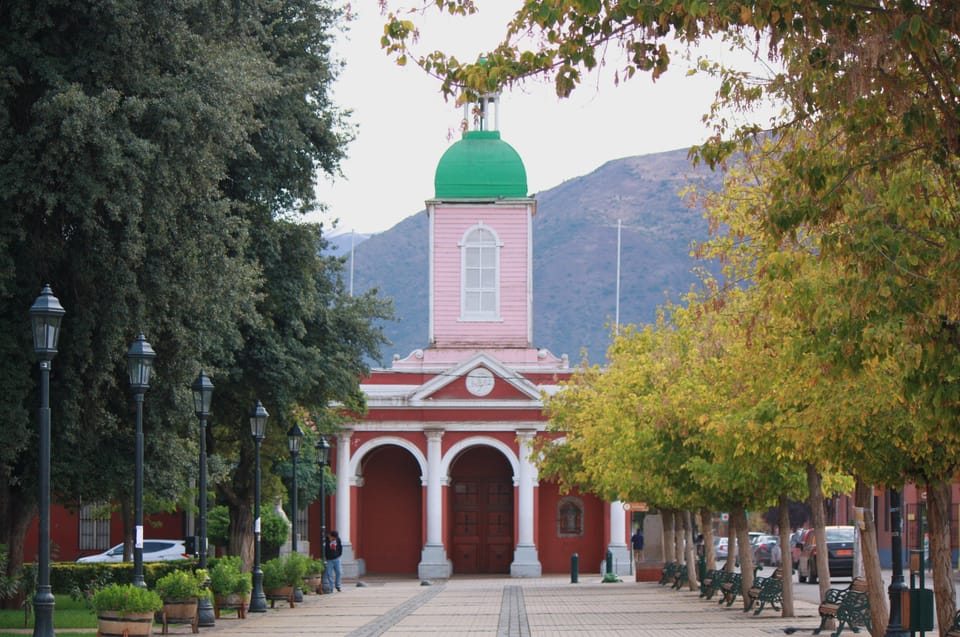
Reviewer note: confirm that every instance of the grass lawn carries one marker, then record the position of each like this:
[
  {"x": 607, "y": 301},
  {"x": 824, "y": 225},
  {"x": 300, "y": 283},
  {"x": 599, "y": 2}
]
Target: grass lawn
[{"x": 67, "y": 613}]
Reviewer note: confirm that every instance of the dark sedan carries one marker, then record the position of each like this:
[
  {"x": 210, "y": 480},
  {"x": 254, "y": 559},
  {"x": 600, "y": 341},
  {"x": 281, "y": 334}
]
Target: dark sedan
[{"x": 840, "y": 541}]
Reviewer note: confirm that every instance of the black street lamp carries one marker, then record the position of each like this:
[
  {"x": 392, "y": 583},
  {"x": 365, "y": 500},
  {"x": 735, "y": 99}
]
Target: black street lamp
[
  {"x": 139, "y": 365},
  {"x": 202, "y": 389},
  {"x": 45, "y": 316},
  {"x": 897, "y": 586},
  {"x": 258, "y": 429},
  {"x": 294, "y": 440},
  {"x": 323, "y": 457}
]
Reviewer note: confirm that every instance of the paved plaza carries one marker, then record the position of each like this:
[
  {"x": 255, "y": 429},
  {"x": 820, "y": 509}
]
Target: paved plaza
[{"x": 506, "y": 607}]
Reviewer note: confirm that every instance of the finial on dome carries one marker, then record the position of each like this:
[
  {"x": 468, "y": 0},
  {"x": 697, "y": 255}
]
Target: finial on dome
[{"x": 484, "y": 113}]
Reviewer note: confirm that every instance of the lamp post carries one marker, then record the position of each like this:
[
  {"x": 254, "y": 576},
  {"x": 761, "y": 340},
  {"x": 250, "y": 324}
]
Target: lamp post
[
  {"x": 294, "y": 440},
  {"x": 139, "y": 365},
  {"x": 258, "y": 429},
  {"x": 323, "y": 457},
  {"x": 202, "y": 389},
  {"x": 897, "y": 586},
  {"x": 45, "y": 316}
]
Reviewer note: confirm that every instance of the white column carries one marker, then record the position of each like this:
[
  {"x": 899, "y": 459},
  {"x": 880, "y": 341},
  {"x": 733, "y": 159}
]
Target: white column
[
  {"x": 348, "y": 561},
  {"x": 622, "y": 561},
  {"x": 526, "y": 562},
  {"x": 433, "y": 559}
]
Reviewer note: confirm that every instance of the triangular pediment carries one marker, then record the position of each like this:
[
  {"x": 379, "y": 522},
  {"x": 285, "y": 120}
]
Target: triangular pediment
[{"x": 481, "y": 377}]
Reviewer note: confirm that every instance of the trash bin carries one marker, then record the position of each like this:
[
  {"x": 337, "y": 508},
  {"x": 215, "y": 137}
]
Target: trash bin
[{"x": 917, "y": 609}]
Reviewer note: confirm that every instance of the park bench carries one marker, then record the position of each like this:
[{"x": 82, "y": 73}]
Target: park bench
[
  {"x": 849, "y": 606},
  {"x": 711, "y": 582},
  {"x": 679, "y": 577},
  {"x": 766, "y": 590},
  {"x": 667, "y": 574},
  {"x": 730, "y": 588},
  {"x": 954, "y": 627}
]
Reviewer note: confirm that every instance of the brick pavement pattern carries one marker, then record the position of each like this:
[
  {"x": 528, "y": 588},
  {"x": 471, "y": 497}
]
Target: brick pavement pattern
[{"x": 506, "y": 607}]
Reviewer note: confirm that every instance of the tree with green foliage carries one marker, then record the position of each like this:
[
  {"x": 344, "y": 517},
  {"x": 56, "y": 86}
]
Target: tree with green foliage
[
  {"x": 154, "y": 157},
  {"x": 873, "y": 86}
]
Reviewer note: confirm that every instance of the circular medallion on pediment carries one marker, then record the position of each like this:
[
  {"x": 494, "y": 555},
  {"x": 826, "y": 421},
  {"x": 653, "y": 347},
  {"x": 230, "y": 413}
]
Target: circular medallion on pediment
[{"x": 480, "y": 381}]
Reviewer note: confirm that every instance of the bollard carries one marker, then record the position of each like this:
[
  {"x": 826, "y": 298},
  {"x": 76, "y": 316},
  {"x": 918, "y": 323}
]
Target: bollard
[
  {"x": 574, "y": 568},
  {"x": 609, "y": 562}
]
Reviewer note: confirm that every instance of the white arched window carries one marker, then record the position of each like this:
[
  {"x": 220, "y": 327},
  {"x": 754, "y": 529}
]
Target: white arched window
[{"x": 480, "y": 275}]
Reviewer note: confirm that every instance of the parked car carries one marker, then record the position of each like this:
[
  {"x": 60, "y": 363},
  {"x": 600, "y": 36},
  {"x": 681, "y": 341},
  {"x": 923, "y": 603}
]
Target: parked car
[
  {"x": 796, "y": 543},
  {"x": 153, "y": 551},
  {"x": 720, "y": 550},
  {"x": 840, "y": 541},
  {"x": 763, "y": 552}
]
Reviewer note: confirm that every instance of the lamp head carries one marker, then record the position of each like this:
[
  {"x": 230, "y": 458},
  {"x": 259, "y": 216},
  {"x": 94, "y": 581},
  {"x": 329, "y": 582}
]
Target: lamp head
[
  {"x": 45, "y": 316},
  {"x": 258, "y": 422},
  {"x": 140, "y": 363}
]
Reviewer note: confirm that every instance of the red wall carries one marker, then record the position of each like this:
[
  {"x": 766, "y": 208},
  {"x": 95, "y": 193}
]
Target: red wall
[{"x": 555, "y": 551}]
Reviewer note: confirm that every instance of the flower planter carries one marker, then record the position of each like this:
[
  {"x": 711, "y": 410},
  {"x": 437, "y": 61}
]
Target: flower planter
[
  {"x": 180, "y": 611},
  {"x": 282, "y": 594},
  {"x": 232, "y": 601},
  {"x": 313, "y": 582},
  {"x": 114, "y": 624}
]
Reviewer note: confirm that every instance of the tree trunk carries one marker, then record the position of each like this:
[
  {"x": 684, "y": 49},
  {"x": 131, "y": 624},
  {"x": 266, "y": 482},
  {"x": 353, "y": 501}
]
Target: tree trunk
[
  {"x": 669, "y": 552},
  {"x": 728, "y": 566},
  {"x": 814, "y": 484},
  {"x": 690, "y": 554},
  {"x": 944, "y": 589},
  {"x": 126, "y": 516},
  {"x": 785, "y": 562},
  {"x": 744, "y": 550},
  {"x": 879, "y": 610},
  {"x": 241, "y": 535},
  {"x": 678, "y": 542},
  {"x": 21, "y": 513},
  {"x": 706, "y": 527}
]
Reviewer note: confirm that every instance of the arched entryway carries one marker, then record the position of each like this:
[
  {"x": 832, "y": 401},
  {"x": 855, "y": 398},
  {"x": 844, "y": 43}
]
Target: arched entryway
[
  {"x": 481, "y": 503},
  {"x": 390, "y": 512}
]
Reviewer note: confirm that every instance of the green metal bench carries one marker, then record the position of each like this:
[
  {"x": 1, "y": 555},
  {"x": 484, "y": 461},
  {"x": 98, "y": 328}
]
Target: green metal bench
[
  {"x": 667, "y": 574},
  {"x": 679, "y": 577},
  {"x": 766, "y": 590},
  {"x": 954, "y": 627},
  {"x": 849, "y": 606},
  {"x": 730, "y": 588}
]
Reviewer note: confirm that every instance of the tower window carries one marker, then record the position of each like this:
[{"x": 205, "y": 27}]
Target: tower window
[{"x": 480, "y": 282}]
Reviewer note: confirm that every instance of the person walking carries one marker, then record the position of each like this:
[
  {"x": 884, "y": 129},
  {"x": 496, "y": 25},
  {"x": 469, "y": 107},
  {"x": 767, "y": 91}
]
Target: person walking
[
  {"x": 637, "y": 540},
  {"x": 332, "y": 550}
]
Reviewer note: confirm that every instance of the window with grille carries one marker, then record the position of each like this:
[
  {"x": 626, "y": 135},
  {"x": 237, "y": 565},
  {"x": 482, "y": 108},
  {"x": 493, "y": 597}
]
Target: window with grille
[
  {"x": 570, "y": 517},
  {"x": 94, "y": 526}
]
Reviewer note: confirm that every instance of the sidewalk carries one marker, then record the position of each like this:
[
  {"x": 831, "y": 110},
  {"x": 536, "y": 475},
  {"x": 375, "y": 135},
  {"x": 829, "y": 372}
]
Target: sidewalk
[{"x": 539, "y": 607}]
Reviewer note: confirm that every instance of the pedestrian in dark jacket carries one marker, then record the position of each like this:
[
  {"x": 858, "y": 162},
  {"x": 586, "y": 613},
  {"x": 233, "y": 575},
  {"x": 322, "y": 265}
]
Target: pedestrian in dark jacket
[{"x": 332, "y": 550}]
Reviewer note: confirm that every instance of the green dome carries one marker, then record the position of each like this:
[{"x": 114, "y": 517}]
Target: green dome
[{"x": 480, "y": 166}]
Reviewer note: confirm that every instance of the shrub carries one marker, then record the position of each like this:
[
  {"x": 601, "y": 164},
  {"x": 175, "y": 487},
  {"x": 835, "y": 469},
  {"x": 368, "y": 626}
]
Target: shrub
[
  {"x": 182, "y": 585},
  {"x": 126, "y": 598},
  {"x": 284, "y": 571},
  {"x": 226, "y": 578}
]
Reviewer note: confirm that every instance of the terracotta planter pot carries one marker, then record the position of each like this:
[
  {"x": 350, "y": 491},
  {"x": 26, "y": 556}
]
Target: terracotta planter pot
[{"x": 111, "y": 624}]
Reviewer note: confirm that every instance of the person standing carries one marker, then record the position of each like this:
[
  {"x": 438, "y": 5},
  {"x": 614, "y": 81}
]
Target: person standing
[
  {"x": 637, "y": 540},
  {"x": 332, "y": 550}
]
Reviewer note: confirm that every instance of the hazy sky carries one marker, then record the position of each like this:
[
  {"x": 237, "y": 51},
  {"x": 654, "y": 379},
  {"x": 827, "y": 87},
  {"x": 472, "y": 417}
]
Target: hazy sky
[{"x": 404, "y": 124}]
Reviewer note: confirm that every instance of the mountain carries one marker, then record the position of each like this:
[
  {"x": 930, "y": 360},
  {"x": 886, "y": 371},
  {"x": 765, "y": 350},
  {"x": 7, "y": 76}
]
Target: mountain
[{"x": 575, "y": 255}]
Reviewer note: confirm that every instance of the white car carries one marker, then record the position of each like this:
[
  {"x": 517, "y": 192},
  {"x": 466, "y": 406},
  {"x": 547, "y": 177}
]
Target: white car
[{"x": 153, "y": 551}]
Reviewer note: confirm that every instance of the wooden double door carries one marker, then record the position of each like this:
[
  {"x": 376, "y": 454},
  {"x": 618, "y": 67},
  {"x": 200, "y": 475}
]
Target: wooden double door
[{"x": 482, "y": 525}]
